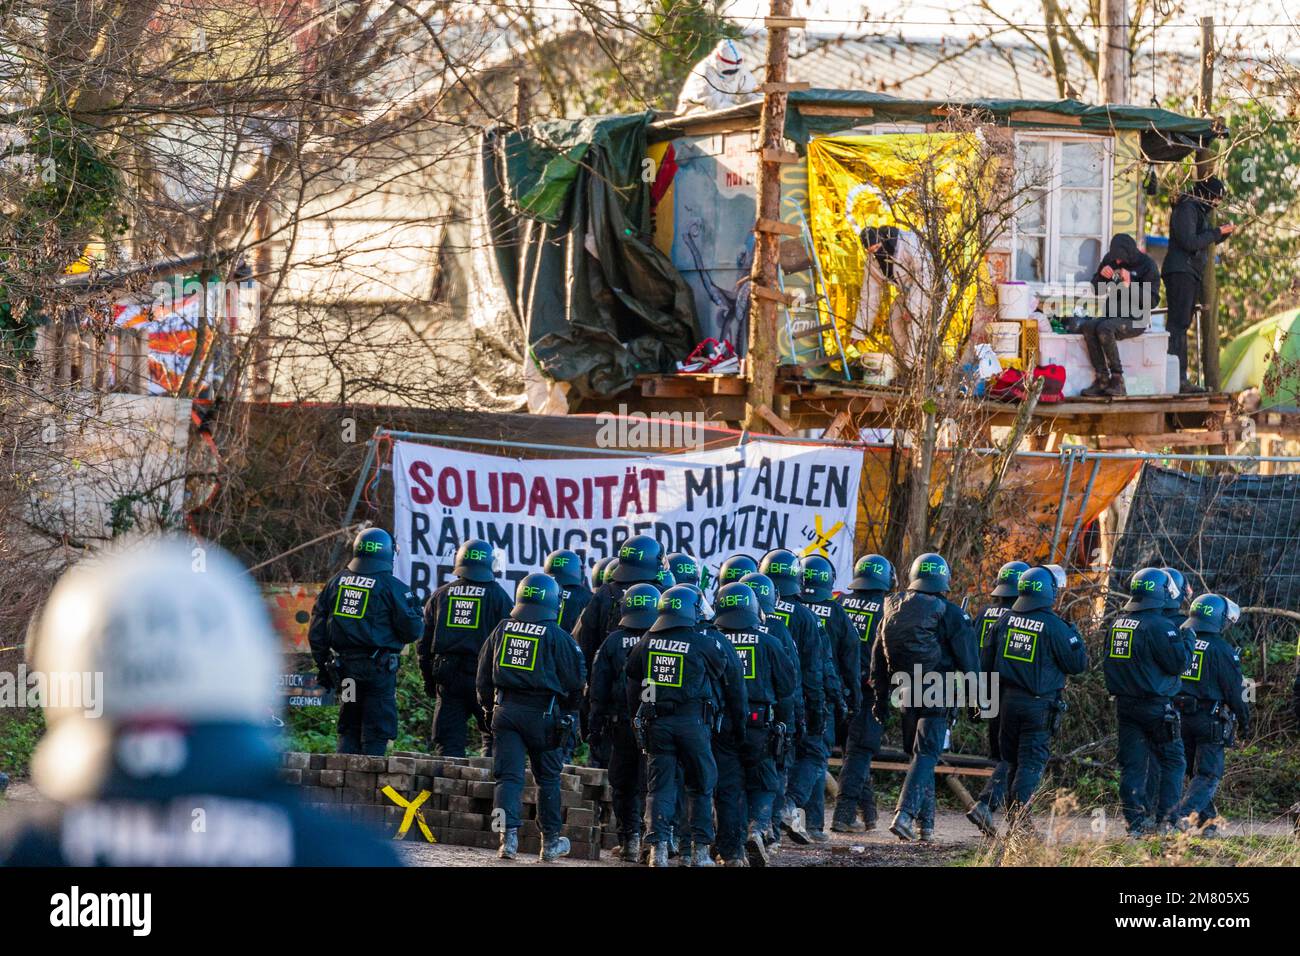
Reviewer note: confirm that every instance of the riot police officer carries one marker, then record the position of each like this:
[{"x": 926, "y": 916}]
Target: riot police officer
[
  {"x": 361, "y": 621},
  {"x": 1212, "y": 701},
  {"x": 685, "y": 569},
  {"x": 1145, "y": 660},
  {"x": 736, "y": 567},
  {"x": 844, "y": 645},
  {"x": 873, "y": 578},
  {"x": 638, "y": 560},
  {"x": 1182, "y": 592},
  {"x": 598, "y": 572},
  {"x": 922, "y": 629},
  {"x": 672, "y": 674},
  {"x": 566, "y": 567},
  {"x": 1034, "y": 651},
  {"x": 527, "y": 667},
  {"x": 181, "y": 727},
  {"x": 747, "y": 780},
  {"x": 458, "y": 617},
  {"x": 1004, "y": 595},
  {"x": 611, "y": 721},
  {"x": 821, "y": 691}
]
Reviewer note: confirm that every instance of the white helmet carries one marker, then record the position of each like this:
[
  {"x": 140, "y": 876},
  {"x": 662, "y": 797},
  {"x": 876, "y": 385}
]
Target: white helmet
[{"x": 146, "y": 640}]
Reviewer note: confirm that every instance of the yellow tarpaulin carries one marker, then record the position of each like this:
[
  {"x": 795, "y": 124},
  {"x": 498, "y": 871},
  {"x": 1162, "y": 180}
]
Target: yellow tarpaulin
[{"x": 855, "y": 181}]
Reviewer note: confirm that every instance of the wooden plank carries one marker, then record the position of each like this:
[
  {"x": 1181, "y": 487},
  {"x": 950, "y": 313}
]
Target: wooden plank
[
  {"x": 777, "y": 227},
  {"x": 785, "y": 23},
  {"x": 838, "y": 425},
  {"x": 772, "y": 295},
  {"x": 773, "y": 419},
  {"x": 790, "y": 86},
  {"x": 818, "y": 363},
  {"x": 770, "y": 154},
  {"x": 941, "y": 769},
  {"x": 809, "y": 333},
  {"x": 829, "y": 109},
  {"x": 687, "y": 385},
  {"x": 1044, "y": 117}
]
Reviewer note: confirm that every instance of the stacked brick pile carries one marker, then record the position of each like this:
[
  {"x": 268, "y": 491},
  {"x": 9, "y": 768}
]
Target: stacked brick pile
[{"x": 458, "y": 809}]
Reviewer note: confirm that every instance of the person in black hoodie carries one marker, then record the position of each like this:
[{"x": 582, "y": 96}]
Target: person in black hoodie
[
  {"x": 1130, "y": 283},
  {"x": 1190, "y": 237}
]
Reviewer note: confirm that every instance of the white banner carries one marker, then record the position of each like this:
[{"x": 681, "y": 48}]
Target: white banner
[{"x": 747, "y": 500}]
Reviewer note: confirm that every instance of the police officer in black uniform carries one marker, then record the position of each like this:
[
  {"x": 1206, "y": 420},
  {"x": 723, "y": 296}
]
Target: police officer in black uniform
[
  {"x": 611, "y": 721},
  {"x": 1146, "y": 657},
  {"x": 566, "y": 567},
  {"x": 1213, "y": 705},
  {"x": 189, "y": 660},
  {"x": 1034, "y": 651},
  {"x": 736, "y": 567},
  {"x": 359, "y": 625},
  {"x": 922, "y": 628},
  {"x": 873, "y": 578},
  {"x": 1004, "y": 595},
  {"x": 598, "y": 572},
  {"x": 527, "y": 667},
  {"x": 672, "y": 675},
  {"x": 639, "y": 559},
  {"x": 458, "y": 617},
  {"x": 747, "y": 779},
  {"x": 1177, "y": 614},
  {"x": 820, "y": 690}
]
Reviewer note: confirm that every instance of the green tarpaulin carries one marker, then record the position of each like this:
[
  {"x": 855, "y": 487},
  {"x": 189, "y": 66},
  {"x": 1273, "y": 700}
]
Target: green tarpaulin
[
  {"x": 569, "y": 216},
  {"x": 1266, "y": 356}
]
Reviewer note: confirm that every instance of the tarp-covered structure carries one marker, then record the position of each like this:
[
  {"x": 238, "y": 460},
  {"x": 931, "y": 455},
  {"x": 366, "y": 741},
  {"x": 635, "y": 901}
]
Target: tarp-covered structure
[
  {"x": 1266, "y": 356},
  {"x": 569, "y": 218}
]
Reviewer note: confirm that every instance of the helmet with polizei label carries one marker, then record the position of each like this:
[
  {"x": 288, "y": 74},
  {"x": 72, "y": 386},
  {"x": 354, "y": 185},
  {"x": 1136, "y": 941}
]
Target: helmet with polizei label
[
  {"x": 818, "y": 578},
  {"x": 783, "y": 567},
  {"x": 735, "y": 568},
  {"x": 930, "y": 574},
  {"x": 664, "y": 579},
  {"x": 763, "y": 589},
  {"x": 640, "y": 607},
  {"x": 1149, "y": 588},
  {"x": 736, "y": 607},
  {"x": 565, "y": 566},
  {"x": 1036, "y": 590},
  {"x": 598, "y": 572},
  {"x": 537, "y": 599},
  {"x": 873, "y": 572},
  {"x": 372, "y": 551},
  {"x": 685, "y": 569},
  {"x": 1008, "y": 578},
  {"x": 1212, "y": 614},
  {"x": 640, "y": 559},
  {"x": 474, "y": 561},
  {"x": 679, "y": 606},
  {"x": 1183, "y": 588}
]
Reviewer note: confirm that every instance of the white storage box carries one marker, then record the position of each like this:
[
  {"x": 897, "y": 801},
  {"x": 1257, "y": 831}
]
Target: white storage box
[
  {"x": 1144, "y": 359},
  {"x": 1005, "y": 337},
  {"x": 1014, "y": 300}
]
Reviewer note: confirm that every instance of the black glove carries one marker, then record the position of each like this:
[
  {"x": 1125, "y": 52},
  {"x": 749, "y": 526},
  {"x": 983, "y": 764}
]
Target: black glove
[
  {"x": 595, "y": 733},
  {"x": 325, "y": 676},
  {"x": 430, "y": 687}
]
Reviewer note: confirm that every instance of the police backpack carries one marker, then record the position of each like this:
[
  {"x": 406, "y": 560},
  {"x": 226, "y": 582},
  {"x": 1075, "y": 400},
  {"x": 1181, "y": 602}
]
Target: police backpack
[{"x": 910, "y": 630}]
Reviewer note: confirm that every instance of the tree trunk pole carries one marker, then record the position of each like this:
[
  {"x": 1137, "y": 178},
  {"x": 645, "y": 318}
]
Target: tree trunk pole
[
  {"x": 761, "y": 356},
  {"x": 1206, "y": 161},
  {"x": 1113, "y": 57}
]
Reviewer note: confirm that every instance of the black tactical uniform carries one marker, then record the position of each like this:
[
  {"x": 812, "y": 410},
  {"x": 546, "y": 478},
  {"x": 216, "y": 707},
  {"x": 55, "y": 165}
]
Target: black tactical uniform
[
  {"x": 362, "y": 619},
  {"x": 526, "y": 669},
  {"x": 458, "y": 617},
  {"x": 637, "y": 561}
]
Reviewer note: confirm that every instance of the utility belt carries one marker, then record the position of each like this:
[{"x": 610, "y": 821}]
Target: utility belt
[
  {"x": 1223, "y": 722},
  {"x": 444, "y": 665},
  {"x": 1190, "y": 705},
  {"x": 760, "y": 715},
  {"x": 525, "y": 698},
  {"x": 380, "y": 655},
  {"x": 559, "y": 724},
  {"x": 650, "y": 711}
]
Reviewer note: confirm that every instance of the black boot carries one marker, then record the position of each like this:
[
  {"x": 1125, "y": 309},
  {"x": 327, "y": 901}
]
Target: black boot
[
  {"x": 659, "y": 855},
  {"x": 630, "y": 852},
  {"x": 1116, "y": 387},
  {"x": 1098, "y": 387},
  {"x": 904, "y": 826}
]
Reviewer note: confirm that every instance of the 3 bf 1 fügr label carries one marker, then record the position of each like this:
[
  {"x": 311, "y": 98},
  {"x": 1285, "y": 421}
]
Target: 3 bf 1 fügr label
[
  {"x": 518, "y": 651},
  {"x": 351, "y": 601},
  {"x": 463, "y": 611},
  {"x": 665, "y": 669}
]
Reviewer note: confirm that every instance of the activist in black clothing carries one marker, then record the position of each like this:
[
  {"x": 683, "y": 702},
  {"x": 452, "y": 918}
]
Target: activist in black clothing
[
  {"x": 1191, "y": 237},
  {"x": 1035, "y": 650},
  {"x": 458, "y": 617},
  {"x": 1129, "y": 283},
  {"x": 526, "y": 668},
  {"x": 676, "y": 668},
  {"x": 360, "y": 622},
  {"x": 1145, "y": 660},
  {"x": 638, "y": 561}
]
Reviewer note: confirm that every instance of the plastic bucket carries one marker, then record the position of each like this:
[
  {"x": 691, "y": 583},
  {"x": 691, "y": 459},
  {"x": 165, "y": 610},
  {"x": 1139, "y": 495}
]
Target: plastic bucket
[{"x": 1014, "y": 300}]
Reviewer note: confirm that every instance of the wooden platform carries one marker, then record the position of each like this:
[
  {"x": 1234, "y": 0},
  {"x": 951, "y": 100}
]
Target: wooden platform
[{"x": 1145, "y": 422}]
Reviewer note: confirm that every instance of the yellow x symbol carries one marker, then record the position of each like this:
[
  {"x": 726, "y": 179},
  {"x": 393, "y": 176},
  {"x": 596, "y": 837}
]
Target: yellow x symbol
[
  {"x": 412, "y": 813},
  {"x": 823, "y": 538}
]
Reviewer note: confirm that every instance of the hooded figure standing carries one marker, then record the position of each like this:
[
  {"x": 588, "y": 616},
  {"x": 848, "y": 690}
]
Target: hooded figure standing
[{"x": 1129, "y": 282}]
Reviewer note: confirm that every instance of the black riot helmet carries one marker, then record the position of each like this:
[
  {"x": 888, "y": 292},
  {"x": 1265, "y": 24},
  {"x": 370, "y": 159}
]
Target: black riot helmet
[
  {"x": 930, "y": 574},
  {"x": 1149, "y": 589},
  {"x": 638, "y": 560},
  {"x": 1037, "y": 590},
  {"x": 372, "y": 551},
  {"x": 640, "y": 607},
  {"x": 818, "y": 578},
  {"x": 1180, "y": 584},
  {"x": 736, "y": 607},
  {"x": 782, "y": 566},
  {"x": 474, "y": 561},
  {"x": 1009, "y": 578},
  {"x": 763, "y": 589},
  {"x": 679, "y": 606},
  {"x": 1212, "y": 614},
  {"x": 537, "y": 599},
  {"x": 735, "y": 568},
  {"x": 565, "y": 566},
  {"x": 685, "y": 569},
  {"x": 873, "y": 572},
  {"x": 664, "y": 579},
  {"x": 598, "y": 572}
]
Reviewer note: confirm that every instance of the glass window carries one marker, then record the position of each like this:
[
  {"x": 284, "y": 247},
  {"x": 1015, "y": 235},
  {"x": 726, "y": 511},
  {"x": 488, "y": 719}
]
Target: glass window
[{"x": 1060, "y": 228}]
